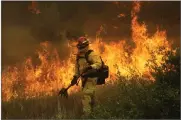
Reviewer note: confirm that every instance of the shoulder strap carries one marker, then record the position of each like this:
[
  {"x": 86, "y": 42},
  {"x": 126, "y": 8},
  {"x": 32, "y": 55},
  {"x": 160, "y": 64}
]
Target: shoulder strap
[{"x": 87, "y": 56}]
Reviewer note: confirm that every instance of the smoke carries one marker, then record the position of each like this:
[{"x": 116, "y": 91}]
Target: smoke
[
  {"x": 17, "y": 43},
  {"x": 22, "y": 30}
]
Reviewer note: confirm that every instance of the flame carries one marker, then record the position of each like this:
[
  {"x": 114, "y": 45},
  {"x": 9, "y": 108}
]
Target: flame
[
  {"x": 121, "y": 15},
  {"x": 100, "y": 31},
  {"x": 28, "y": 80}
]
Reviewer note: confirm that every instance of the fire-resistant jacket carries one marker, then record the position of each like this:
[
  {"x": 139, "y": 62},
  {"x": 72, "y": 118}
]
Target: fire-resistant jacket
[{"x": 81, "y": 63}]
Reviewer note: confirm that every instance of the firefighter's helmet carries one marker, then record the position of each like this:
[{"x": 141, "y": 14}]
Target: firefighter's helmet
[{"x": 82, "y": 42}]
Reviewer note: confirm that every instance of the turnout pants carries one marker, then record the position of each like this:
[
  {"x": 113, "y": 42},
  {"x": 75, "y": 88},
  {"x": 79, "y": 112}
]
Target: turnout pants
[{"x": 88, "y": 99}]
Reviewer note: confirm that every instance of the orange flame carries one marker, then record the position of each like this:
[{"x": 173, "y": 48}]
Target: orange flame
[
  {"x": 28, "y": 80},
  {"x": 121, "y": 15}
]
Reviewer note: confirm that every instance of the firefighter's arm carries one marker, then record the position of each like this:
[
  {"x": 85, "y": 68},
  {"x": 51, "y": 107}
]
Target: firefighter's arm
[
  {"x": 96, "y": 60},
  {"x": 76, "y": 74},
  {"x": 76, "y": 69}
]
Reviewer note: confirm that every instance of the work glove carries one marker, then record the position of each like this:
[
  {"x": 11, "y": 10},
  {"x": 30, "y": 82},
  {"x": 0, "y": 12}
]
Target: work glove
[{"x": 74, "y": 80}]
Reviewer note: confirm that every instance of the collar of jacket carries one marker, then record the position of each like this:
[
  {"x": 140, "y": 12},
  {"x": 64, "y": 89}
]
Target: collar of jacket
[{"x": 83, "y": 51}]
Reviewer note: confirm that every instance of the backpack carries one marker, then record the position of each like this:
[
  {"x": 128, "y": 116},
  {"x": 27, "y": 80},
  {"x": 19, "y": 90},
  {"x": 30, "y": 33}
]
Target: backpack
[{"x": 102, "y": 73}]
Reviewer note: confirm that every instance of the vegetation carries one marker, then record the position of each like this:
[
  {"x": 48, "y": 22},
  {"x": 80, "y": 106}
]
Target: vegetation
[{"x": 136, "y": 98}]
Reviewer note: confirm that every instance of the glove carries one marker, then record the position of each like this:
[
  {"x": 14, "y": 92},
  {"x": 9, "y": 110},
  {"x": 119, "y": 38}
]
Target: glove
[{"x": 74, "y": 80}]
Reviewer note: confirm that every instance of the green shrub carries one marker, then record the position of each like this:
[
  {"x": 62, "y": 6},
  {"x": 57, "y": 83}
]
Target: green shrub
[{"x": 138, "y": 98}]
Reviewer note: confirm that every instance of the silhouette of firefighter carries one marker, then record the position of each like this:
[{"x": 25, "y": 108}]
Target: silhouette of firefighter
[{"x": 92, "y": 71}]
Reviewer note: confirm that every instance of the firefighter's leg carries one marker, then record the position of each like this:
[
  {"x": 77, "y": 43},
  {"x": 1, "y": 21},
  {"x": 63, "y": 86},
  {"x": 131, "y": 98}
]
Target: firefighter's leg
[
  {"x": 86, "y": 100},
  {"x": 88, "y": 97}
]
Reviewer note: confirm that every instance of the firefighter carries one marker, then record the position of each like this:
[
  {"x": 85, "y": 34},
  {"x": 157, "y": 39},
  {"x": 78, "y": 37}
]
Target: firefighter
[{"x": 88, "y": 83}]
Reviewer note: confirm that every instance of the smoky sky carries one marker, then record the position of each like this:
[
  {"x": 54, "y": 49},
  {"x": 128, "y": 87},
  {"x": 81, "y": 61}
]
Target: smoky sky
[{"x": 22, "y": 30}]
